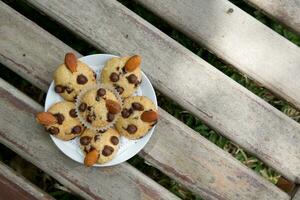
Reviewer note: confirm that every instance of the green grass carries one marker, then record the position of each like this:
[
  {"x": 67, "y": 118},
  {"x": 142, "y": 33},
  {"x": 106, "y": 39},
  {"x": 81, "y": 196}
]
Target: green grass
[
  {"x": 262, "y": 92},
  {"x": 59, "y": 192}
]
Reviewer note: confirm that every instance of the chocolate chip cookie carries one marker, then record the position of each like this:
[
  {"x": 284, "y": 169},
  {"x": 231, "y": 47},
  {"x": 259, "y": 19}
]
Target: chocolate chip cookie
[
  {"x": 123, "y": 73},
  {"x": 61, "y": 121},
  {"x": 106, "y": 145},
  {"x": 98, "y": 108},
  {"x": 138, "y": 115},
  {"x": 72, "y": 76}
]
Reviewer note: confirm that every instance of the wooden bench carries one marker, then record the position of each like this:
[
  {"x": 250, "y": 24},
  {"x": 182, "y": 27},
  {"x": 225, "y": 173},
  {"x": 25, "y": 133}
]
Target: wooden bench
[{"x": 174, "y": 149}]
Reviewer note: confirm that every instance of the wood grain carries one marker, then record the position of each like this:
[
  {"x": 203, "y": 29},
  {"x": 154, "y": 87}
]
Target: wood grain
[
  {"x": 198, "y": 172},
  {"x": 15, "y": 187},
  {"x": 239, "y": 39},
  {"x": 186, "y": 156},
  {"x": 194, "y": 84},
  {"x": 32, "y": 142},
  {"x": 201, "y": 166},
  {"x": 285, "y": 11},
  {"x": 297, "y": 195}
]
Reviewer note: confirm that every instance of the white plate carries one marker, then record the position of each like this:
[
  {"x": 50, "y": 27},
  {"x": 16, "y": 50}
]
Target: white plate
[{"x": 128, "y": 148}]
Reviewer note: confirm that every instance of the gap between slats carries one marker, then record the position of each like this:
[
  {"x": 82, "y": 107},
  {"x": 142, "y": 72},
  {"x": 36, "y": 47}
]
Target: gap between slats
[
  {"x": 260, "y": 52},
  {"x": 15, "y": 186},
  {"x": 285, "y": 11},
  {"x": 164, "y": 102},
  {"x": 214, "y": 137},
  {"x": 241, "y": 168},
  {"x": 227, "y": 120}
]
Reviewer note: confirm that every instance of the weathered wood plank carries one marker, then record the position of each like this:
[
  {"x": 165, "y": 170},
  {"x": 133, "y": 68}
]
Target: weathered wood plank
[
  {"x": 186, "y": 156},
  {"x": 239, "y": 39},
  {"x": 285, "y": 185},
  {"x": 15, "y": 187},
  {"x": 285, "y": 11},
  {"x": 200, "y": 165},
  {"x": 198, "y": 172},
  {"x": 51, "y": 55},
  {"x": 29, "y": 139},
  {"x": 297, "y": 195},
  {"x": 216, "y": 99}
]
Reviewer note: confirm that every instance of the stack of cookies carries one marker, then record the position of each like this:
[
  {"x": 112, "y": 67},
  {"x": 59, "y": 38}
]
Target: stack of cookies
[{"x": 101, "y": 109}]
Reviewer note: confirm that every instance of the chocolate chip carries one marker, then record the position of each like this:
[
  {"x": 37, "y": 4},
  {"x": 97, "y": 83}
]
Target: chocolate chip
[
  {"x": 96, "y": 137},
  {"x": 101, "y": 92},
  {"x": 137, "y": 83},
  {"x": 72, "y": 113},
  {"x": 132, "y": 78},
  {"x": 114, "y": 77},
  {"x": 59, "y": 89},
  {"x": 60, "y": 118},
  {"x": 85, "y": 140},
  {"x": 125, "y": 113},
  {"x": 119, "y": 89},
  {"x": 101, "y": 131},
  {"x": 137, "y": 106},
  {"x": 69, "y": 90},
  {"x": 76, "y": 130},
  {"x": 81, "y": 79},
  {"x": 107, "y": 151},
  {"x": 75, "y": 97},
  {"x": 114, "y": 140},
  {"x": 90, "y": 118},
  {"x": 124, "y": 70},
  {"x": 53, "y": 130},
  {"x": 131, "y": 129},
  {"x": 118, "y": 68},
  {"x": 82, "y": 107},
  {"x": 97, "y": 98},
  {"x": 89, "y": 108},
  {"x": 110, "y": 117}
]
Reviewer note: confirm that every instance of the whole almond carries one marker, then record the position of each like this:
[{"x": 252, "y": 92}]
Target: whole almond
[
  {"x": 113, "y": 106},
  {"x": 71, "y": 62},
  {"x": 46, "y": 118},
  {"x": 149, "y": 116},
  {"x": 91, "y": 158},
  {"x": 132, "y": 63}
]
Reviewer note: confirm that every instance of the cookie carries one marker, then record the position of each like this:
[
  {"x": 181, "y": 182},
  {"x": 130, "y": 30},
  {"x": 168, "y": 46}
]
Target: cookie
[
  {"x": 139, "y": 114},
  {"x": 98, "y": 108},
  {"x": 61, "y": 121},
  {"x": 106, "y": 145},
  {"x": 123, "y": 73},
  {"x": 71, "y": 77}
]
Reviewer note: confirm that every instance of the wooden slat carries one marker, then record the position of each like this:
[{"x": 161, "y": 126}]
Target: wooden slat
[
  {"x": 239, "y": 39},
  {"x": 186, "y": 156},
  {"x": 30, "y": 140},
  {"x": 216, "y": 99},
  {"x": 285, "y": 185},
  {"x": 198, "y": 164},
  {"x": 285, "y": 11},
  {"x": 15, "y": 187},
  {"x": 201, "y": 166},
  {"x": 297, "y": 195}
]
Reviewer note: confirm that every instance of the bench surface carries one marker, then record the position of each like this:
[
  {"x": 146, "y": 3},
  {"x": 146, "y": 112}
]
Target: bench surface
[{"x": 174, "y": 149}]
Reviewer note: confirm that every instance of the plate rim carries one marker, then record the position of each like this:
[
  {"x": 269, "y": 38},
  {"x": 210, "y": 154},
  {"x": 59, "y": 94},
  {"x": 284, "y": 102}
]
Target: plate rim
[{"x": 150, "y": 133}]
